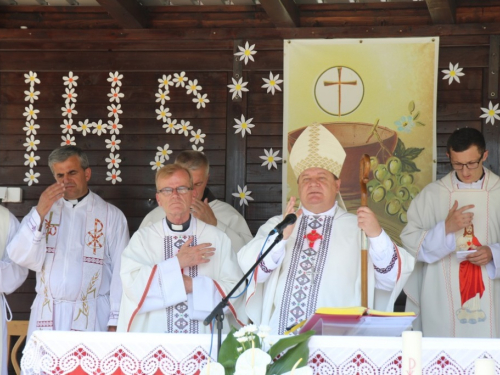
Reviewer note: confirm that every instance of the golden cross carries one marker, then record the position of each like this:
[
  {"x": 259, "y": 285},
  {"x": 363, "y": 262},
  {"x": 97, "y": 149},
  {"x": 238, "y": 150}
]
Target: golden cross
[{"x": 340, "y": 83}]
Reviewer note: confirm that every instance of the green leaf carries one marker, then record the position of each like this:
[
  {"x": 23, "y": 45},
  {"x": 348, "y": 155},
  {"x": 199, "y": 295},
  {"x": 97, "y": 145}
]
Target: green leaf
[
  {"x": 412, "y": 152},
  {"x": 400, "y": 149},
  {"x": 287, "y": 342},
  {"x": 411, "y": 106},
  {"x": 420, "y": 123},
  {"x": 416, "y": 116},
  {"x": 409, "y": 166},
  {"x": 228, "y": 353},
  {"x": 286, "y": 363}
]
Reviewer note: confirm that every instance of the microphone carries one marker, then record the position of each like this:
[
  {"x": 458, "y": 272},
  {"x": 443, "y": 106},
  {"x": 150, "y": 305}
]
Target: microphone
[{"x": 288, "y": 220}]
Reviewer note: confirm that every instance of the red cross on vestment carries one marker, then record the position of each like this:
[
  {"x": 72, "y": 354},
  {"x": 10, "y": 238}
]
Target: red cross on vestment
[{"x": 313, "y": 237}]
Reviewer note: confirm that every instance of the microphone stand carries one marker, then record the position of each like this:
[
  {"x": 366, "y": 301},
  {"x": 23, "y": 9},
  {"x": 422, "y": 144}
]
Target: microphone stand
[{"x": 218, "y": 311}]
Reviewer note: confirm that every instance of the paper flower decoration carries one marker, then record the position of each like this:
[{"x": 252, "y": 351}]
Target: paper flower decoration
[
  {"x": 490, "y": 113},
  {"x": 31, "y": 177},
  {"x": 243, "y": 126},
  {"x": 68, "y": 126},
  {"x": 270, "y": 159},
  {"x": 113, "y": 143},
  {"x": 84, "y": 127},
  {"x": 31, "y": 78},
  {"x": 31, "y": 127},
  {"x": 164, "y": 152},
  {"x": 31, "y": 143},
  {"x": 30, "y": 112},
  {"x": 114, "y": 110},
  {"x": 246, "y": 53},
  {"x": 68, "y": 140},
  {"x": 157, "y": 163},
  {"x": 244, "y": 195},
  {"x": 165, "y": 81},
  {"x": 114, "y": 127},
  {"x": 201, "y": 101},
  {"x": 193, "y": 87},
  {"x": 70, "y": 80},
  {"x": 237, "y": 87},
  {"x": 180, "y": 79},
  {"x": 197, "y": 137},
  {"x": 69, "y": 110},
  {"x": 453, "y": 73},
  {"x": 31, "y": 159},
  {"x": 31, "y": 95},
  {"x": 162, "y": 96},
  {"x": 113, "y": 161},
  {"x": 114, "y": 176},
  {"x": 115, "y": 95},
  {"x": 163, "y": 113},
  {"x": 199, "y": 149},
  {"x": 170, "y": 126},
  {"x": 115, "y": 79},
  {"x": 70, "y": 96},
  {"x": 184, "y": 127},
  {"x": 99, "y": 128},
  {"x": 272, "y": 83}
]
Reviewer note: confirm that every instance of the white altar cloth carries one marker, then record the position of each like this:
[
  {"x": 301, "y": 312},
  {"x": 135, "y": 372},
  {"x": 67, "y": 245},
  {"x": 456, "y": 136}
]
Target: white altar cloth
[{"x": 52, "y": 352}]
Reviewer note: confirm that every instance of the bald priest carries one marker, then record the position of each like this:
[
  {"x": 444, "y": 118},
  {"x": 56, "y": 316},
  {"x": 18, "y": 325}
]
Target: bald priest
[{"x": 318, "y": 262}]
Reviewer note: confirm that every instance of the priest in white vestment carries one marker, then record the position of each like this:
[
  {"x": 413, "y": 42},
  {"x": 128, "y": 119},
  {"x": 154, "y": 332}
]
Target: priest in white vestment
[
  {"x": 457, "y": 294},
  {"x": 175, "y": 271},
  {"x": 11, "y": 277},
  {"x": 73, "y": 240},
  {"x": 205, "y": 206},
  {"x": 318, "y": 262}
]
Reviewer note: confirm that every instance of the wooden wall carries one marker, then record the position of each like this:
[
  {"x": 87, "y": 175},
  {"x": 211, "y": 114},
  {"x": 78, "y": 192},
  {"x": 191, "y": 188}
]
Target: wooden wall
[{"x": 202, "y": 44}]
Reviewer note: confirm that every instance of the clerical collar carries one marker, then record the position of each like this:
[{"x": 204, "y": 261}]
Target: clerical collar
[
  {"x": 330, "y": 212},
  {"x": 473, "y": 185},
  {"x": 179, "y": 227},
  {"x": 74, "y": 202}
]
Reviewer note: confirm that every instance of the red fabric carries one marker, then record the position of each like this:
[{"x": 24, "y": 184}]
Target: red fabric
[{"x": 471, "y": 278}]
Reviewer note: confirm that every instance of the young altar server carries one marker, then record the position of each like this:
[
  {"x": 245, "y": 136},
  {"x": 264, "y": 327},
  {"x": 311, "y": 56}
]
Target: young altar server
[
  {"x": 175, "y": 271},
  {"x": 318, "y": 262},
  {"x": 453, "y": 231}
]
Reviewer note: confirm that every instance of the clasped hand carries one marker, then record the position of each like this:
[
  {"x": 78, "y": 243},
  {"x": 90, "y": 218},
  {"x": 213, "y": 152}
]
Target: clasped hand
[{"x": 189, "y": 256}]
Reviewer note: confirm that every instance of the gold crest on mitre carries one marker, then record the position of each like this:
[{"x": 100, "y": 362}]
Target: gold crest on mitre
[{"x": 317, "y": 147}]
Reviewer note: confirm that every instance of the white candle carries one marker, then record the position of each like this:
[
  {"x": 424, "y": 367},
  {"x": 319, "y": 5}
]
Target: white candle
[
  {"x": 412, "y": 353},
  {"x": 485, "y": 366}
]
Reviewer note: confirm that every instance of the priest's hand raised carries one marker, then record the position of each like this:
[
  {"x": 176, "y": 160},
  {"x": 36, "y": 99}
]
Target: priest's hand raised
[
  {"x": 457, "y": 218},
  {"x": 189, "y": 256},
  {"x": 290, "y": 209},
  {"x": 49, "y": 196},
  {"x": 201, "y": 210}
]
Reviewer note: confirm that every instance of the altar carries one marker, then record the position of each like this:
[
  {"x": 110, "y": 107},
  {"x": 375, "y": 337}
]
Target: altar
[{"x": 52, "y": 352}]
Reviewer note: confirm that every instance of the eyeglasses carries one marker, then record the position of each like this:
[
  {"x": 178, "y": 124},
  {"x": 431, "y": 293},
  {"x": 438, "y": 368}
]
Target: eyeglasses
[
  {"x": 181, "y": 190},
  {"x": 470, "y": 165}
]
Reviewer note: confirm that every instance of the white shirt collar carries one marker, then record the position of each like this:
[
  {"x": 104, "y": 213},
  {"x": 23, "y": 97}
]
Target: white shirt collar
[{"x": 463, "y": 185}]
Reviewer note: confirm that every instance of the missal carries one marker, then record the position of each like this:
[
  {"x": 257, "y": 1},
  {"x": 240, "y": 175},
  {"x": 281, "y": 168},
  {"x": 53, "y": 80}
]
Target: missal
[{"x": 356, "y": 321}]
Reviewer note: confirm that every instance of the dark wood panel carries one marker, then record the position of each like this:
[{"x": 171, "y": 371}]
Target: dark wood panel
[
  {"x": 263, "y": 211},
  {"x": 458, "y": 112},
  {"x": 254, "y": 154},
  {"x": 258, "y": 174},
  {"x": 469, "y": 57},
  {"x": 266, "y": 192},
  {"x": 255, "y": 141},
  {"x": 464, "y": 96}
]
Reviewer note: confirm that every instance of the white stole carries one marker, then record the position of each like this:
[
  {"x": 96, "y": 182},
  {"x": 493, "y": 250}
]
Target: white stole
[{"x": 85, "y": 308}]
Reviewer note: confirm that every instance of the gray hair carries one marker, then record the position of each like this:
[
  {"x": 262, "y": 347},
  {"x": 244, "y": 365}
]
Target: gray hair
[
  {"x": 63, "y": 153},
  {"x": 193, "y": 160}
]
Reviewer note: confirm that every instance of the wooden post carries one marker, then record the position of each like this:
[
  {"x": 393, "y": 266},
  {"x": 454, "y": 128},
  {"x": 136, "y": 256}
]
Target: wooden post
[{"x": 364, "y": 170}]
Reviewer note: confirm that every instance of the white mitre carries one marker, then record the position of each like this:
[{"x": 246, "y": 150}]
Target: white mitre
[{"x": 316, "y": 147}]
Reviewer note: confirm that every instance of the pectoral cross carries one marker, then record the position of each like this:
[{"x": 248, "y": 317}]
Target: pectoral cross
[
  {"x": 312, "y": 237},
  {"x": 340, "y": 83},
  {"x": 50, "y": 229}
]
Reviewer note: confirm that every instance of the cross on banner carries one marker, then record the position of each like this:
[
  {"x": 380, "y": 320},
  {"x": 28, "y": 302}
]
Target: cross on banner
[{"x": 340, "y": 83}]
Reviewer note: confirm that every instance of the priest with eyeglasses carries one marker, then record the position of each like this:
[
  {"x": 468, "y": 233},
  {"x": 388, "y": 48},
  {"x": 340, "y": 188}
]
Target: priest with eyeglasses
[
  {"x": 175, "y": 271},
  {"x": 453, "y": 231}
]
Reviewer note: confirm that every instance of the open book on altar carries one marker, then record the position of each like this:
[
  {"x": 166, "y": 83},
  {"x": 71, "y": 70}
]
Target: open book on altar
[{"x": 356, "y": 321}]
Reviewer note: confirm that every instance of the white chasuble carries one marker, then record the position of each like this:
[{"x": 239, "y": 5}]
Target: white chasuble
[{"x": 85, "y": 307}]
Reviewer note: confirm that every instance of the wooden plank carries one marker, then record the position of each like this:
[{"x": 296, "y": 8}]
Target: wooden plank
[
  {"x": 442, "y": 11},
  {"x": 458, "y": 111},
  {"x": 493, "y": 67},
  {"x": 258, "y": 174},
  {"x": 491, "y": 133},
  {"x": 283, "y": 13},
  {"x": 129, "y": 14}
]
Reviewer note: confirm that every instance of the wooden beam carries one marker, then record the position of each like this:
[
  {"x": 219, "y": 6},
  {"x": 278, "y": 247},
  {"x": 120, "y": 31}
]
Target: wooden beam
[
  {"x": 129, "y": 14},
  {"x": 283, "y": 13},
  {"x": 442, "y": 11},
  {"x": 493, "y": 67}
]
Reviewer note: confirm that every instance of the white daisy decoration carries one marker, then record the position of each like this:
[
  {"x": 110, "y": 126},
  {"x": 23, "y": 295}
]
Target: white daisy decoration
[
  {"x": 114, "y": 176},
  {"x": 272, "y": 83},
  {"x": 84, "y": 127},
  {"x": 244, "y": 195},
  {"x": 243, "y": 126},
  {"x": 163, "y": 113},
  {"x": 30, "y": 112},
  {"x": 114, "y": 110},
  {"x": 70, "y": 95},
  {"x": 69, "y": 110},
  {"x": 270, "y": 158},
  {"x": 31, "y": 177},
  {"x": 115, "y": 79},
  {"x": 99, "y": 128},
  {"x": 180, "y": 79},
  {"x": 70, "y": 80},
  {"x": 31, "y": 143},
  {"x": 113, "y": 161},
  {"x": 31, "y": 95},
  {"x": 157, "y": 163},
  {"x": 68, "y": 126},
  {"x": 246, "y": 53},
  {"x": 199, "y": 149},
  {"x": 165, "y": 81},
  {"x": 31, "y": 127},
  {"x": 115, "y": 95},
  {"x": 453, "y": 73},
  {"x": 31, "y": 159},
  {"x": 114, "y": 126},
  {"x": 201, "y": 101},
  {"x": 238, "y": 87},
  {"x": 68, "y": 140},
  {"x": 198, "y": 137},
  {"x": 113, "y": 143},
  {"x": 31, "y": 78},
  {"x": 193, "y": 87},
  {"x": 184, "y": 127},
  {"x": 162, "y": 96},
  {"x": 490, "y": 113},
  {"x": 164, "y": 152},
  {"x": 170, "y": 126}
]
